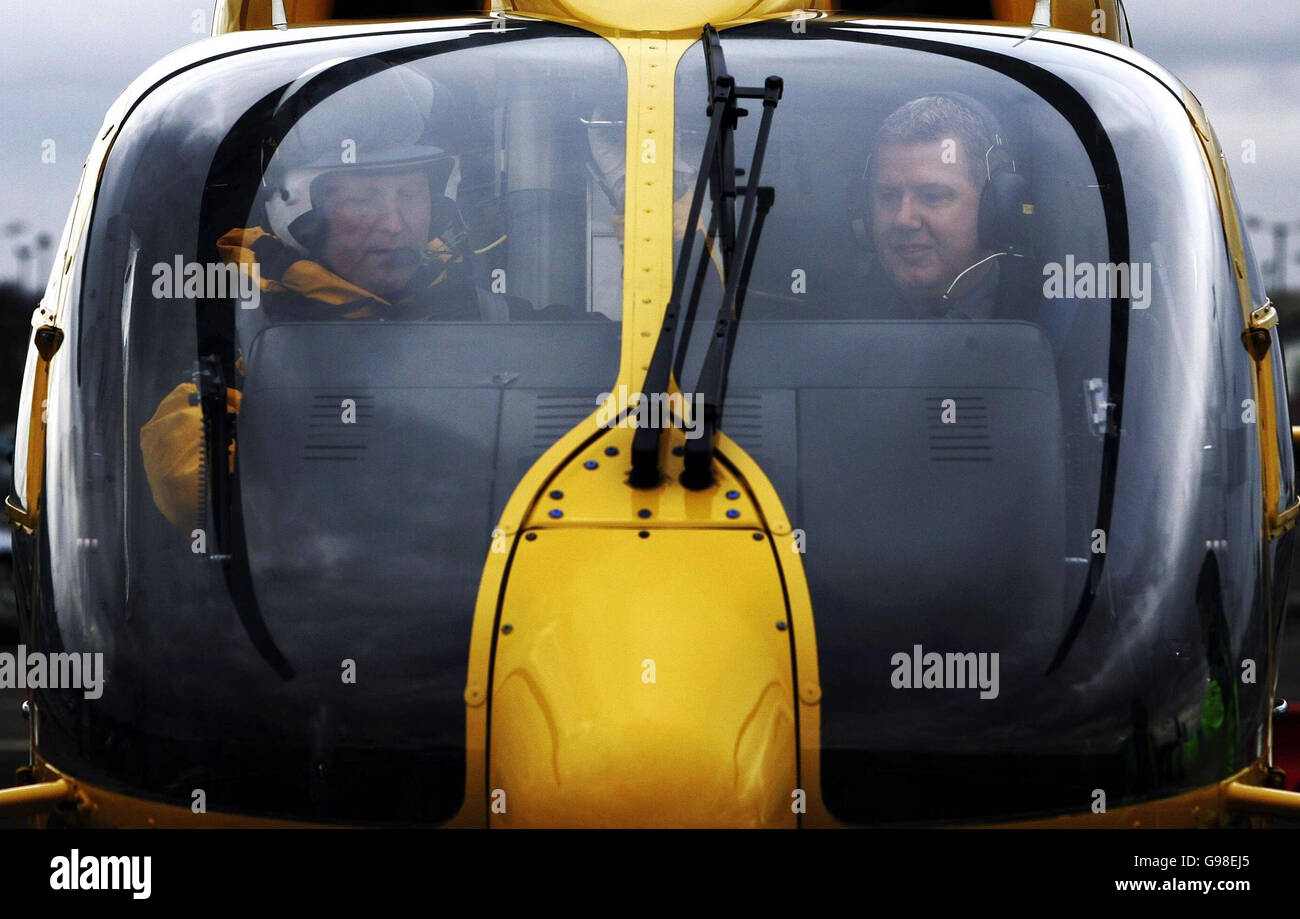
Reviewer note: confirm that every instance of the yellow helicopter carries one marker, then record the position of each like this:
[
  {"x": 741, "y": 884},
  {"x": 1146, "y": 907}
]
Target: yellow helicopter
[{"x": 604, "y": 414}]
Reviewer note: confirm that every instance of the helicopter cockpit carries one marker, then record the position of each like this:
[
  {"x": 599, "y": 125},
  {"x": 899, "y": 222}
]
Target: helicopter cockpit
[
  {"x": 380, "y": 274},
  {"x": 949, "y": 451},
  {"x": 393, "y": 259}
]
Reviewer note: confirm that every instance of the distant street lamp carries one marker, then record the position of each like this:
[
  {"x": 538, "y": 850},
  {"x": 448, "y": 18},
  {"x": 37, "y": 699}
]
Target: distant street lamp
[
  {"x": 44, "y": 242},
  {"x": 24, "y": 255},
  {"x": 1276, "y": 267}
]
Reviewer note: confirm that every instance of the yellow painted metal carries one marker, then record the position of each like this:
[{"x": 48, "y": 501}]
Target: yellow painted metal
[
  {"x": 789, "y": 546},
  {"x": 85, "y": 805},
  {"x": 1212, "y": 805},
  {"x": 1256, "y": 799},
  {"x": 1286, "y": 520},
  {"x": 48, "y": 338},
  {"x": 18, "y": 516},
  {"x": 600, "y": 512},
  {"x": 664, "y": 16},
  {"x": 1276, "y": 520},
  {"x": 648, "y": 229},
  {"x": 247, "y": 15},
  {"x": 1013, "y": 10},
  {"x": 610, "y": 17},
  {"x": 1217, "y": 168},
  {"x": 606, "y": 17},
  {"x": 29, "y": 800},
  {"x": 602, "y": 497},
  {"x": 1205, "y": 807},
  {"x": 669, "y": 702}
]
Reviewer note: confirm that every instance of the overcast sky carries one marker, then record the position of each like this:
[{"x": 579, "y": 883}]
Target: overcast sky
[{"x": 67, "y": 60}]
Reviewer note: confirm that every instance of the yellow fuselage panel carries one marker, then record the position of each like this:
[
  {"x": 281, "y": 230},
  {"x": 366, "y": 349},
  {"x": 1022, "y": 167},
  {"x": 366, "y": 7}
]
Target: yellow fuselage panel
[
  {"x": 665, "y": 699},
  {"x": 664, "y": 16}
]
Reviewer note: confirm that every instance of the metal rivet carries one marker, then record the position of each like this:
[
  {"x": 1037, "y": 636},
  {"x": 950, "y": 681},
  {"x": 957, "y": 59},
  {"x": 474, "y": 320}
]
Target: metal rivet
[
  {"x": 557, "y": 494},
  {"x": 530, "y": 536},
  {"x": 733, "y": 513},
  {"x": 590, "y": 464},
  {"x": 644, "y": 534},
  {"x": 781, "y": 626},
  {"x": 507, "y": 629},
  {"x": 643, "y": 513},
  {"x": 557, "y": 513},
  {"x": 611, "y": 451},
  {"x": 758, "y": 537},
  {"x": 733, "y": 495}
]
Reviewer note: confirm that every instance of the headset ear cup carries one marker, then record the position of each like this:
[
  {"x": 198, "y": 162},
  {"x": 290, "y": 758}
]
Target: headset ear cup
[
  {"x": 449, "y": 224},
  {"x": 309, "y": 230},
  {"x": 1006, "y": 217},
  {"x": 439, "y": 175}
]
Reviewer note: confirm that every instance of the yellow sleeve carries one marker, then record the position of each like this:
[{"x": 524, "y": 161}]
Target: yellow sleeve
[{"x": 171, "y": 442}]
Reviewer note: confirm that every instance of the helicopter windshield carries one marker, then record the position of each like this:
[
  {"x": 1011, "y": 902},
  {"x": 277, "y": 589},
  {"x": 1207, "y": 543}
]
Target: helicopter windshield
[
  {"x": 399, "y": 254},
  {"x": 330, "y": 285},
  {"x": 974, "y": 264}
]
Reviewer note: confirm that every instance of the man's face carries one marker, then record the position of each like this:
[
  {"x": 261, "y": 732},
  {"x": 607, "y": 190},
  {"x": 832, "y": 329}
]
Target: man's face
[
  {"x": 925, "y": 217},
  {"x": 371, "y": 219}
]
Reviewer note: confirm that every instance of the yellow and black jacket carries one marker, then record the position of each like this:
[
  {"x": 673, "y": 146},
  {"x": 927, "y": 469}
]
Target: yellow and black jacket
[{"x": 295, "y": 288}]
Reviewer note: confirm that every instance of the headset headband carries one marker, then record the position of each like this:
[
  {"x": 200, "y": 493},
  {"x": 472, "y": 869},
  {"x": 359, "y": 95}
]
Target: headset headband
[
  {"x": 999, "y": 147},
  {"x": 998, "y": 151}
]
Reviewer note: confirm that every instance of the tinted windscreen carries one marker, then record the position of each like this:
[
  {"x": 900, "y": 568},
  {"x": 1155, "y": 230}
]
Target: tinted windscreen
[
  {"x": 381, "y": 275},
  {"x": 988, "y": 357}
]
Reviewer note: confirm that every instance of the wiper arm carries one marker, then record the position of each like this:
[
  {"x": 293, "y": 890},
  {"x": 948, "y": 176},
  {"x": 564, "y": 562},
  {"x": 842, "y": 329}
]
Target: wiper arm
[
  {"x": 712, "y": 386},
  {"x": 223, "y": 495},
  {"x": 717, "y": 173}
]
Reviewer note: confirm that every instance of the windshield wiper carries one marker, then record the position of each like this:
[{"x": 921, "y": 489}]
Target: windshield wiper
[
  {"x": 222, "y": 498},
  {"x": 718, "y": 174}
]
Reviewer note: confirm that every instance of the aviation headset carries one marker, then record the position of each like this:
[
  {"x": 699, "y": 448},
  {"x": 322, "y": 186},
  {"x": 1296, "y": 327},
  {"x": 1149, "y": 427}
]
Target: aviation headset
[{"x": 1005, "y": 211}]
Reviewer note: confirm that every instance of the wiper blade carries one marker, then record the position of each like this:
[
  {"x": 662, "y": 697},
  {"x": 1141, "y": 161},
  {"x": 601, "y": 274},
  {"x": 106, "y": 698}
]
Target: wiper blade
[
  {"x": 712, "y": 385},
  {"x": 225, "y": 503},
  {"x": 718, "y": 174}
]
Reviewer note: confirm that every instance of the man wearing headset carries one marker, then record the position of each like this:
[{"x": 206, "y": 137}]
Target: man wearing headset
[{"x": 946, "y": 215}]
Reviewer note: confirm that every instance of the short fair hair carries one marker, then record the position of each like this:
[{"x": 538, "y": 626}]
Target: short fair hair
[{"x": 936, "y": 118}]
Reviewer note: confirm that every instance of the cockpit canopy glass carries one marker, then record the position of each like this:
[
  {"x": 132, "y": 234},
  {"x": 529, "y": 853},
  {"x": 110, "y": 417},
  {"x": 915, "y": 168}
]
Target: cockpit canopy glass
[{"x": 989, "y": 358}]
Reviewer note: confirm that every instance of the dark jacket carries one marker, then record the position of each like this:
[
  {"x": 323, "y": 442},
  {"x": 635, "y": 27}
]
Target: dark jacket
[{"x": 1005, "y": 292}]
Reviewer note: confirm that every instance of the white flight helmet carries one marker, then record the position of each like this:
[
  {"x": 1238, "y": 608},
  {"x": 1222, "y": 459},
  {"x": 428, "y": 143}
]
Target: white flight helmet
[{"x": 378, "y": 122}]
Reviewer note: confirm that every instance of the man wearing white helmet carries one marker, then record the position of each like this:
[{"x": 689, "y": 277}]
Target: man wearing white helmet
[{"x": 354, "y": 224}]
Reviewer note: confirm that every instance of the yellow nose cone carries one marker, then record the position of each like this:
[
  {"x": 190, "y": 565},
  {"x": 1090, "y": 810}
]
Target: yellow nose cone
[
  {"x": 664, "y": 15},
  {"x": 643, "y": 682}
]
